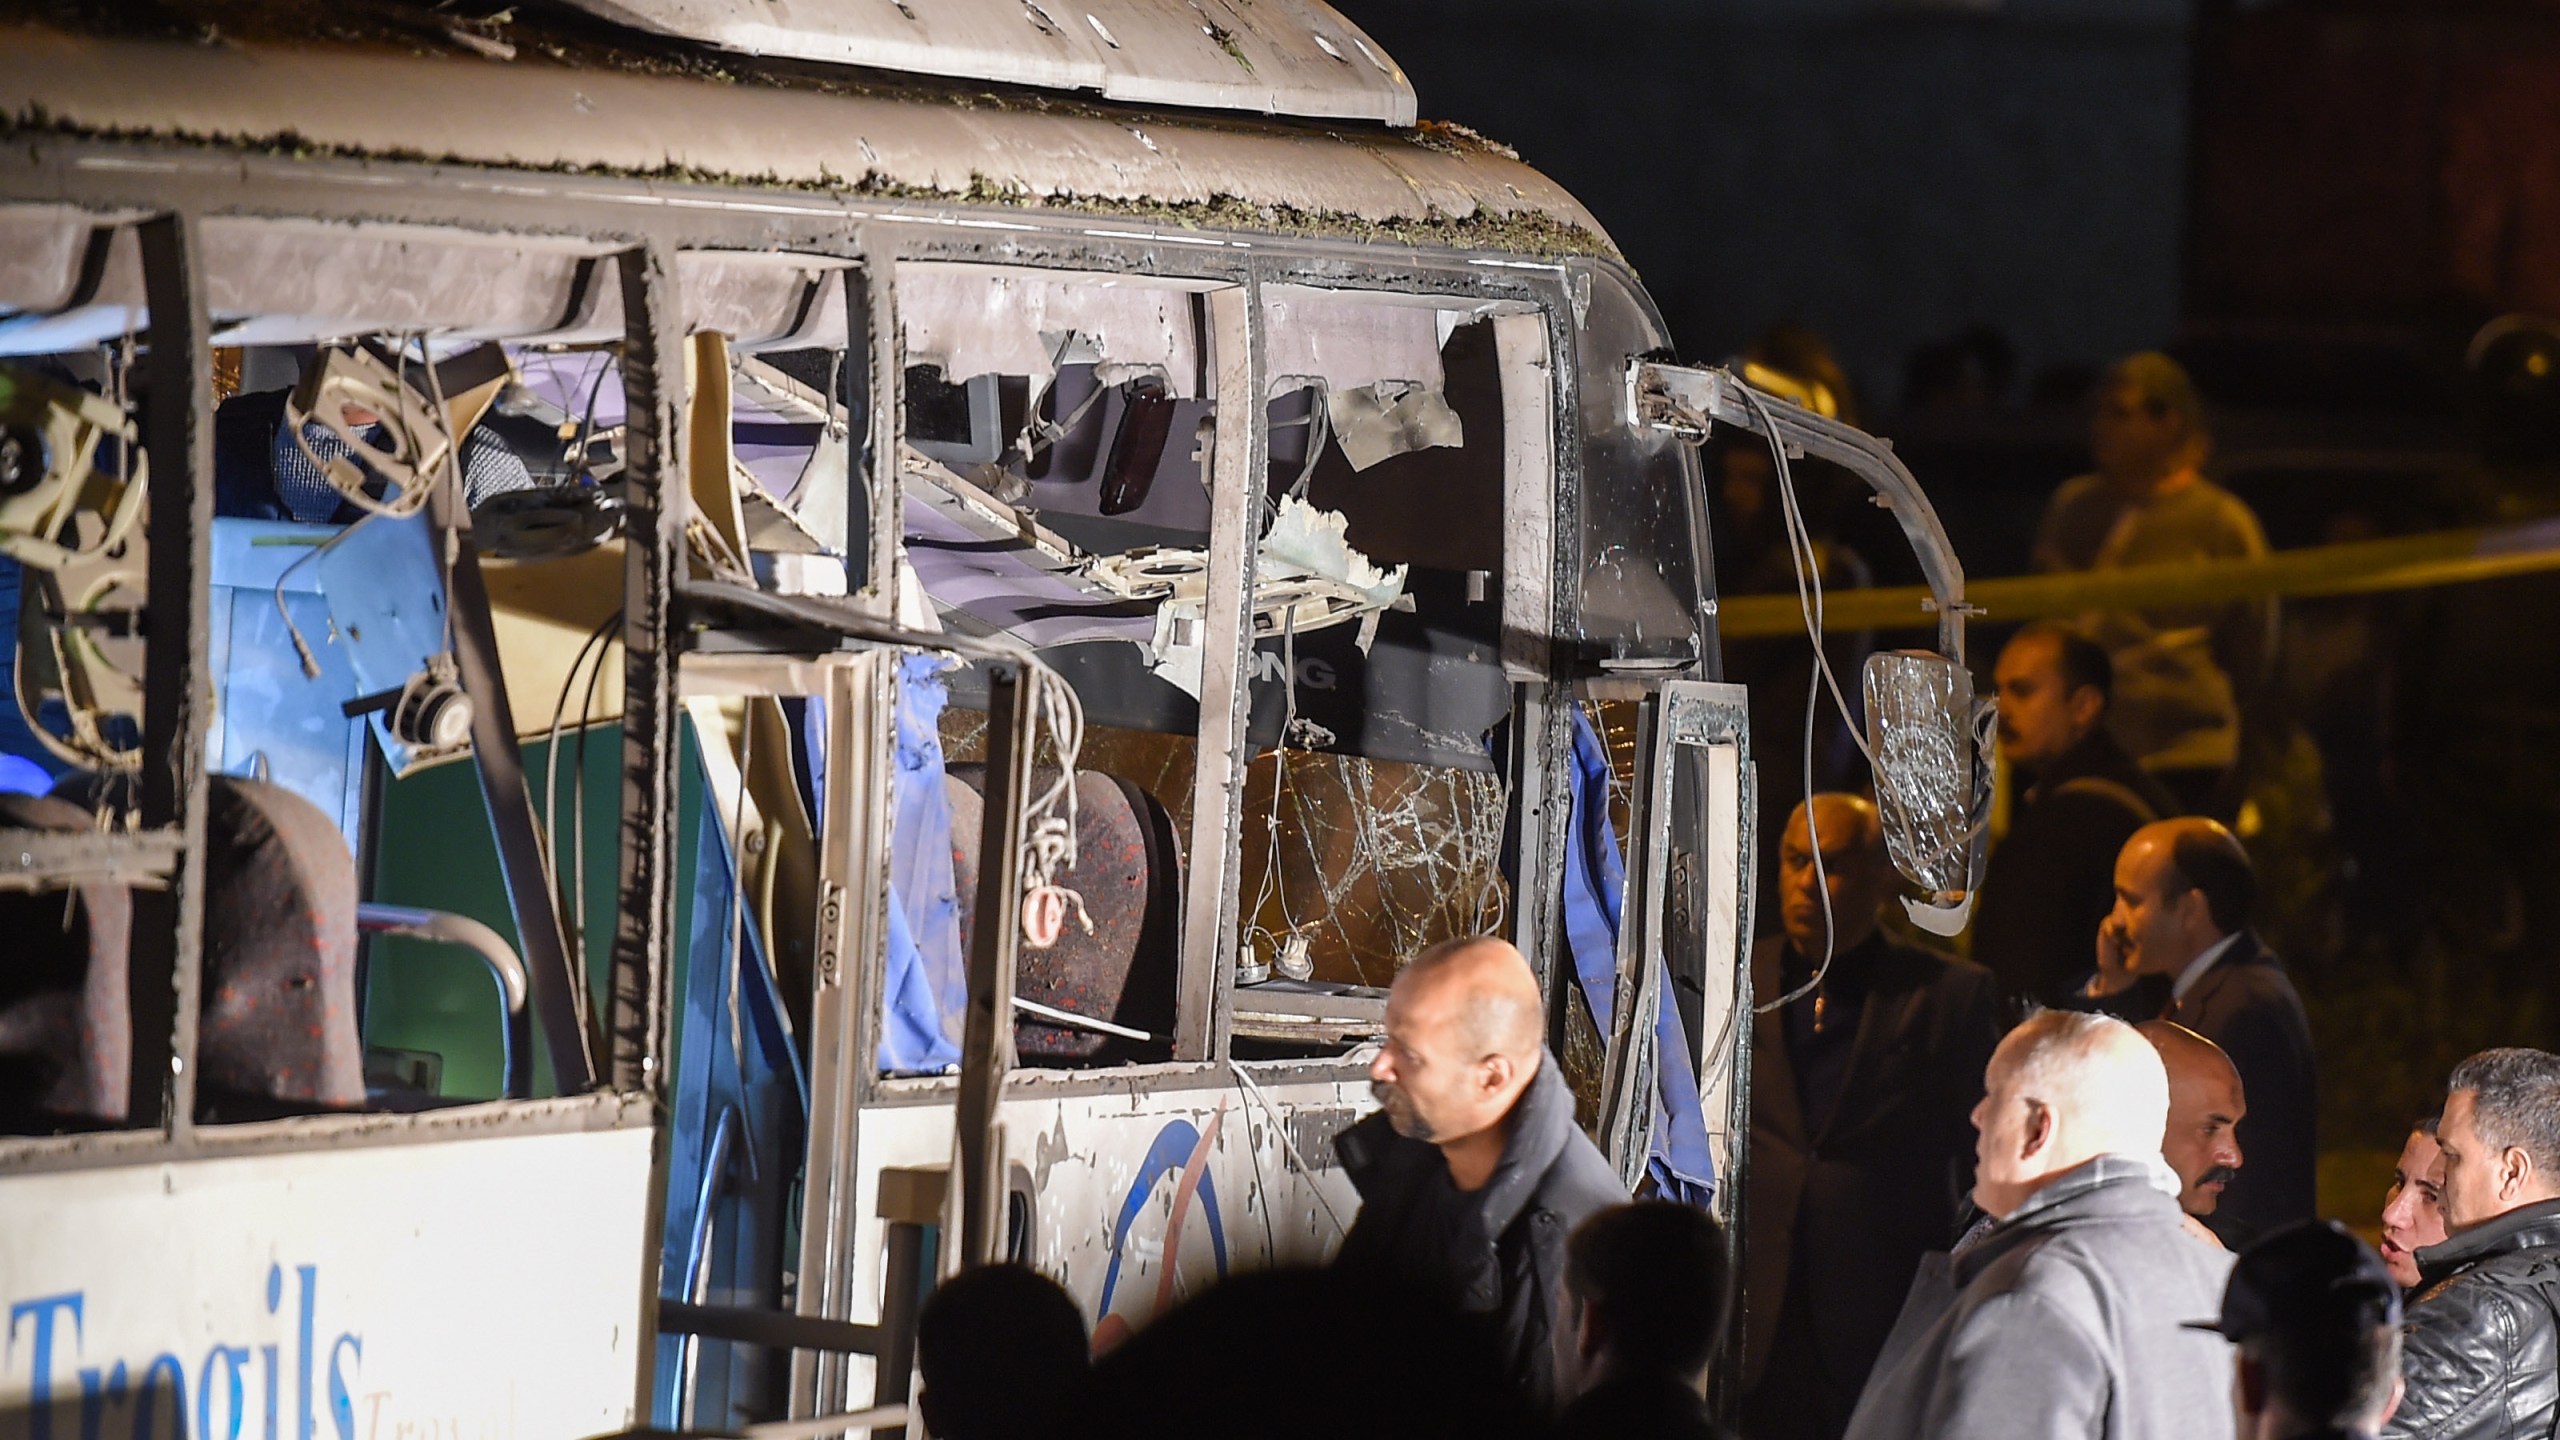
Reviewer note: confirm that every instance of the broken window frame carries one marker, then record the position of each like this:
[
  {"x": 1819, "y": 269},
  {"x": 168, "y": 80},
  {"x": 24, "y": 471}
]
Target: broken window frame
[
  {"x": 168, "y": 849},
  {"x": 1532, "y": 307},
  {"x": 882, "y": 235}
]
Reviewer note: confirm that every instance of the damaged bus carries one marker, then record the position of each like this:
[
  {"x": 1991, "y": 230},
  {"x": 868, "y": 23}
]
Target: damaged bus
[{"x": 670, "y": 673}]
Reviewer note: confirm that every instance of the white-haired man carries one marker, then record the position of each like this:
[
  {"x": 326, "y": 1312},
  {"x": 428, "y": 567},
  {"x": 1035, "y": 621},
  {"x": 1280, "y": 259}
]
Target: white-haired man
[{"x": 2064, "y": 1316}]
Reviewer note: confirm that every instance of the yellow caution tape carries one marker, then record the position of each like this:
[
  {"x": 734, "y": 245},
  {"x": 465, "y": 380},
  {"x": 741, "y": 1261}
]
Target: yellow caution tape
[{"x": 2408, "y": 562}]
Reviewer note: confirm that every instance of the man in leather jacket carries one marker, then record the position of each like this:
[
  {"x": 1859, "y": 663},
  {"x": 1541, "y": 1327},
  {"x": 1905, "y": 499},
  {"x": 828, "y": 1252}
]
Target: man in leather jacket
[{"x": 2482, "y": 1354}]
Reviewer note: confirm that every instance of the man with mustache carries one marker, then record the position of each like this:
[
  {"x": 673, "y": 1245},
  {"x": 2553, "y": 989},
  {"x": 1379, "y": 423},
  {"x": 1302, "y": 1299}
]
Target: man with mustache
[
  {"x": 2178, "y": 947},
  {"x": 2205, "y": 1105},
  {"x": 1473, "y": 1173}
]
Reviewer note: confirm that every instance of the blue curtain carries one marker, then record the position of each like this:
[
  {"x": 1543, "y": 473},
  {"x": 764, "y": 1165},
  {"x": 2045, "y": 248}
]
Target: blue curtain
[
  {"x": 1595, "y": 880},
  {"x": 928, "y": 982}
]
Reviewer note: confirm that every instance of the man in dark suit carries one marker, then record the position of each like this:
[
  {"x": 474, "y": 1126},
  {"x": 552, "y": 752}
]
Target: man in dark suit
[
  {"x": 2052, "y": 876},
  {"x": 1862, "y": 1081},
  {"x": 2178, "y": 947}
]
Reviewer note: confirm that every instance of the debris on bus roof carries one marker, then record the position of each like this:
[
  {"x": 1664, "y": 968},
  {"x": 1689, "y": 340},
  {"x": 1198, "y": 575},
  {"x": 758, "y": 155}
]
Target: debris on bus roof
[{"x": 365, "y": 86}]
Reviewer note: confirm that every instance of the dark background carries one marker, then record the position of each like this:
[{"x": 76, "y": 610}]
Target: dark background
[{"x": 2315, "y": 204}]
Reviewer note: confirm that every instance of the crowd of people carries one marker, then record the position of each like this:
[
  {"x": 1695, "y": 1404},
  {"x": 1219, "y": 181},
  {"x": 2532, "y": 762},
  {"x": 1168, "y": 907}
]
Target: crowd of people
[
  {"x": 2065, "y": 1186},
  {"x": 2047, "y": 1272}
]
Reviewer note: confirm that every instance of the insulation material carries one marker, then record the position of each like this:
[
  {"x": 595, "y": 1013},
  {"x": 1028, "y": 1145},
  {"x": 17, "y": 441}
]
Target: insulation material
[
  {"x": 1375, "y": 859},
  {"x": 1307, "y": 578},
  {"x": 1349, "y": 342},
  {"x": 972, "y": 320}
]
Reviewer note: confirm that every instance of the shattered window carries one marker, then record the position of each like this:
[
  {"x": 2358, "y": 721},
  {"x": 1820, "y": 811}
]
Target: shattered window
[
  {"x": 72, "y": 572},
  {"x": 781, "y": 501},
  {"x": 371, "y": 384},
  {"x": 1373, "y": 809},
  {"x": 1056, "y": 459}
]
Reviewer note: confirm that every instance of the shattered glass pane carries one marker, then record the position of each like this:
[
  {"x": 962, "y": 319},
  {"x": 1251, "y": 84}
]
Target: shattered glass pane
[{"x": 1375, "y": 860}]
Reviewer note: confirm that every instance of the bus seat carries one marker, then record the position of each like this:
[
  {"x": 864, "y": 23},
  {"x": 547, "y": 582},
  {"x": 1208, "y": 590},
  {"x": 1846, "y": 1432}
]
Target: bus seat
[
  {"x": 65, "y": 1029},
  {"x": 1129, "y": 872},
  {"x": 279, "y": 1027}
]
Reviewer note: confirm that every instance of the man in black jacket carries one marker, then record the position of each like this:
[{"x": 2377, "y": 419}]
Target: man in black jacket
[
  {"x": 2178, "y": 947},
  {"x": 2481, "y": 1355},
  {"x": 1644, "y": 1302},
  {"x": 1473, "y": 1173},
  {"x": 1860, "y": 1146},
  {"x": 2051, "y": 879}
]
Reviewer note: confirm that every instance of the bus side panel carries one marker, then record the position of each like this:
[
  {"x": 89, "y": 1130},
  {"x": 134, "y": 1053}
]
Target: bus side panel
[
  {"x": 1142, "y": 1199},
  {"x": 486, "y": 1287}
]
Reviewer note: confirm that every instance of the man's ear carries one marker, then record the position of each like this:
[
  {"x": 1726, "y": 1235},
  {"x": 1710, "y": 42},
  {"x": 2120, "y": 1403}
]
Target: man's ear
[
  {"x": 2039, "y": 1127},
  {"x": 2250, "y": 1379},
  {"x": 2196, "y": 912},
  {"x": 1494, "y": 1074},
  {"x": 2515, "y": 1172},
  {"x": 1590, "y": 1333},
  {"x": 2085, "y": 705}
]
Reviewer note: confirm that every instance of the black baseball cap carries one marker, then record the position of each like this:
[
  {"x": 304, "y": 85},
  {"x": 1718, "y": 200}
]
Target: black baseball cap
[{"x": 2312, "y": 1273}]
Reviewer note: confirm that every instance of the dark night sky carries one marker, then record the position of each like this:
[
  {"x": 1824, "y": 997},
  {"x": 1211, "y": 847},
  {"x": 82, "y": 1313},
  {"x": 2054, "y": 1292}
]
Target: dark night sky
[{"x": 1887, "y": 172}]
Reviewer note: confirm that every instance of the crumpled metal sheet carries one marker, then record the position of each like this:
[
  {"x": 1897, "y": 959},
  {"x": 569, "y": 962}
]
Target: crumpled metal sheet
[
  {"x": 1376, "y": 860},
  {"x": 1377, "y": 422},
  {"x": 551, "y": 117}
]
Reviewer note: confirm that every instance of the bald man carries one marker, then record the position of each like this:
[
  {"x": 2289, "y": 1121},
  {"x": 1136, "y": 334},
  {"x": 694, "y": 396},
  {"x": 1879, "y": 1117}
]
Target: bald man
[
  {"x": 1473, "y": 1172},
  {"x": 2178, "y": 947},
  {"x": 2206, "y": 1105},
  {"x": 1860, "y": 1153},
  {"x": 2066, "y": 1315}
]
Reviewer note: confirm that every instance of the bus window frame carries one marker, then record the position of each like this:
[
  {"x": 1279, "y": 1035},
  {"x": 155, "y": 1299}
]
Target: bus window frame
[
  {"x": 1530, "y": 302},
  {"x": 167, "y": 956},
  {"x": 122, "y": 179}
]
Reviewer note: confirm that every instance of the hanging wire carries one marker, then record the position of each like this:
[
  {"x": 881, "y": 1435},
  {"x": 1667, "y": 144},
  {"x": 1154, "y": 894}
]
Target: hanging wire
[{"x": 1807, "y": 560}]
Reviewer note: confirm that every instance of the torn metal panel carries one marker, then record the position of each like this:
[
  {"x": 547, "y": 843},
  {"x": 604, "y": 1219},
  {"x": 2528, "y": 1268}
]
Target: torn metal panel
[
  {"x": 762, "y": 301},
  {"x": 1390, "y": 418},
  {"x": 308, "y": 97},
  {"x": 1308, "y": 577},
  {"x": 1274, "y": 57},
  {"x": 1350, "y": 339},
  {"x": 996, "y": 320},
  {"x": 292, "y": 282}
]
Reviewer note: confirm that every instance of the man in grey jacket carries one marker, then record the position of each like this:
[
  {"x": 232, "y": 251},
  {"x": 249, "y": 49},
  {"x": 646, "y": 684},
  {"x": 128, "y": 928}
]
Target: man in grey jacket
[{"x": 2064, "y": 1315}]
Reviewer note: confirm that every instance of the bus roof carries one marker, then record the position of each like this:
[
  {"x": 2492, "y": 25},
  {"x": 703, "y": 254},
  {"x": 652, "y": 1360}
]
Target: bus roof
[
  {"x": 1275, "y": 57},
  {"x": 579, "y": 105}
]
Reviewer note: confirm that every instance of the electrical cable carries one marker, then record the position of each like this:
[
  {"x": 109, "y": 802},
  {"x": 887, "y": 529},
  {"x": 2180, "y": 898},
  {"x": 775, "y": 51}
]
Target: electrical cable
[
  {"x": 1280, "y": 1125},
  {"x": 1272, "y": 879},
  {"x": 1808, "y": 567},
  {"x": 578, "y": 809},
  {"x": 598, "y": 642}
]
